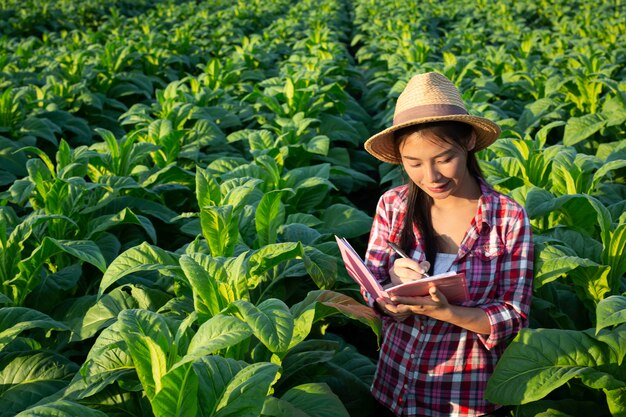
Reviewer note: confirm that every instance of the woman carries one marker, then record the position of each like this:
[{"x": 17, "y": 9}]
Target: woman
[{"x": 436, "y": 357}]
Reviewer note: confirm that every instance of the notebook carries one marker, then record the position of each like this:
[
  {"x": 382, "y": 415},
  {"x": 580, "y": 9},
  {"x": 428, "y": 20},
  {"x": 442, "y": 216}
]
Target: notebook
[{"x": 451, "y": 284}]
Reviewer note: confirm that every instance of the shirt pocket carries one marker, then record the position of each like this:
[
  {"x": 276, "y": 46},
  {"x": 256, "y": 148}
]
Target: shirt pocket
[
  {"x": 484, "y": 270},
  {"x": 487, "y": 251}
]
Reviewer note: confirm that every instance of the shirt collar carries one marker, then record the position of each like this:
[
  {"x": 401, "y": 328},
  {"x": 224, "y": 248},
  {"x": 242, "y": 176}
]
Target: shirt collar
[{"x": 485, "y": 205}]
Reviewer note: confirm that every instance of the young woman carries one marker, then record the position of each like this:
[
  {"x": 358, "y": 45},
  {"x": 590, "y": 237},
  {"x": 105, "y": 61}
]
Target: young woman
[{"x": 435, "y": 357}]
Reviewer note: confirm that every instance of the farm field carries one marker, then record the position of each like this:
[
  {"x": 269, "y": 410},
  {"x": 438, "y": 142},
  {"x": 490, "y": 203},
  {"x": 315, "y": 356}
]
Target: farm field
[{"x": 173, "y": 173}]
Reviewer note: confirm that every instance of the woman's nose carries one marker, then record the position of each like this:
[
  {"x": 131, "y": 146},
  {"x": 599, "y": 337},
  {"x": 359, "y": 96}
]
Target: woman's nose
[{"x": 431, "y": 174}]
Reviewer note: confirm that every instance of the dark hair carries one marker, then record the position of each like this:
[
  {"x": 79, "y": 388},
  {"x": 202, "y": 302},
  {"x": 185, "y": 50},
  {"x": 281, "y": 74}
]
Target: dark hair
[{"x": 418, "y": 202}]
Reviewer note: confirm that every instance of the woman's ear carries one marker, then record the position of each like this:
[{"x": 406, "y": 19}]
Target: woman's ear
[{"x": 471, "y": 144}]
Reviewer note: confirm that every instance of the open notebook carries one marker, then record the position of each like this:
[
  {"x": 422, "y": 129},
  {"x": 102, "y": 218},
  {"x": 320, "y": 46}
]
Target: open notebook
[{"x": 451, "y": 284}]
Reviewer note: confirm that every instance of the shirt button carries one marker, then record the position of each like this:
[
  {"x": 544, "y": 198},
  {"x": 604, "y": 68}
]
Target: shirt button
[
  {"x": 412, "y": 356},
  {"x": 406, "y": 386}
]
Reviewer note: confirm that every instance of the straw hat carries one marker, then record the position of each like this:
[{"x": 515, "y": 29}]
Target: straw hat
[{"x": 429, "y": 97}]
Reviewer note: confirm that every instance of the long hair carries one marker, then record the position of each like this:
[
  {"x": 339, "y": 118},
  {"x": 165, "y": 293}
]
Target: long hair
[{"x": 418, "y": 202}]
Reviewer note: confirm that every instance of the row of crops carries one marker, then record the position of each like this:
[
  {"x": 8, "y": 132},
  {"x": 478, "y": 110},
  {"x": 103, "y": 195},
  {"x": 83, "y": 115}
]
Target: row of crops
[{"x": 172, "y": 175}]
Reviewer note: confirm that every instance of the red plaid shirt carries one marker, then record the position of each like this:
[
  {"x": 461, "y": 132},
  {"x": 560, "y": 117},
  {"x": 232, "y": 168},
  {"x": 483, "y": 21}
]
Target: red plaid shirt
[{"x": 429, "y": 367}]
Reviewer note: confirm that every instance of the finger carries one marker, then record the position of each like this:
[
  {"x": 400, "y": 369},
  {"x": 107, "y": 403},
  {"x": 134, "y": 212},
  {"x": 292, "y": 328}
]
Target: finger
[
  {"x": 412, "y": 300},
  {"x": 434, "y": 294},
  {"x": 425, "y": 266}
]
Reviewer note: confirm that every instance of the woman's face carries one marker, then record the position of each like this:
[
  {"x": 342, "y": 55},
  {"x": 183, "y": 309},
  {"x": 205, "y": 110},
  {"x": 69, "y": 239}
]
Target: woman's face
[{"x": 437, "y": 167}]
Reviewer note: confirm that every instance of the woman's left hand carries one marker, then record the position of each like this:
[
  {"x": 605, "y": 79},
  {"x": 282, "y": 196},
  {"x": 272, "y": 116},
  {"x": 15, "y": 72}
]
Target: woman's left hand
[{"x": 431, "y": 305}]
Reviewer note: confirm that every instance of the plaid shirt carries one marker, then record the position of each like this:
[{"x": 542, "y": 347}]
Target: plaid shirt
[{"x": 429, "y": 367}]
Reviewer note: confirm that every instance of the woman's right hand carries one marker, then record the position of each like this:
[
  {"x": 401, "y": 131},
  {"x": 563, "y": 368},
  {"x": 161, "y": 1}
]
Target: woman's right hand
[{"x": 407, "y": 270}]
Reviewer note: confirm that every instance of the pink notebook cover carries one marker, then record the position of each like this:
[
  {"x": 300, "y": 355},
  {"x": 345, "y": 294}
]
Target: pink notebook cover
[{"x": 451, "y": 284}]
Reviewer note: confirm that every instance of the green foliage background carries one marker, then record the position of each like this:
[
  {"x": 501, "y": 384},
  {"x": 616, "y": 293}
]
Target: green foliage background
[{"x": 172, "y": 175}]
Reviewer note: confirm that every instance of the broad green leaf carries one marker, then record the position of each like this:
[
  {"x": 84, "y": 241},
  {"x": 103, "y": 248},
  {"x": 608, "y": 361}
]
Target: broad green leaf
[
  {"x": 92, "y": 314},
  {"x": 14, "y": 320},
  {"x": 126, "y": 216},
  {"x": 140, "y": 258},
  {"x": 271, "y": 322},
  {"x": 616, "y": 399},
  {"x": 270, "y": 214},
  {"x": 321, "y": 304},
  {"x": 206, "y": 297},
  {"x": 272, "y": 255},
  {"x": 61, "y": 408},
  {"x": 107, "y": 362},
  {"x": 220, "y": 229},
  {"x": 611, "y": 312},
  {"x": 346, "y": 221},
  {"x": 305, "y": 355},
  {"x": 578, "y": 129},
  {"x": 240, "y": 195},
  {"x": 27, "y": 377},
  {"x": 306, "y": 400},
  {"x": 246, "y": 392},
  {"x": 321, "y": 267},
  {"x": 214, "y": 375},
  {"x": 539, "y": 361},
  {"x": 219, "y": 332},
  {"x": 4, "y": 299},
  {"x": 614, "y": 255},
  {"x": 178, "y": 396},
  {"x": 29, "y": 269},
  {"x": 348, "y": 373},
  {"x": 207, "y": 189},
  {"x": 309, "y": 194},
  {"x": 616, "y": 340},
  {"x": 318, "y": 145},
  {"x": 603, "y": 171},
  {"x": 149, "y": 342}
]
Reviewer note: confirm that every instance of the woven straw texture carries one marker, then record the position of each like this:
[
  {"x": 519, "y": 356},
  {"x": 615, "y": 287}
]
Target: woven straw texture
[{"x": 429, "y": 97}]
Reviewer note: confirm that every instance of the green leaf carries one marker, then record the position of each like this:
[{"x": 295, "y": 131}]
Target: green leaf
[
  {"x": 14, "y": 320},
  {"x": 271, "y": 322},
  {"x": 126, "y": 216},
  {"x": 220, "y": 229},
  {"x": 617, "y": 401},
  {"x": 61, "y": 408},
  {"x": 140, "y": 258},
  {"x": 206, "y": 297},
  {"x": 579, "y": 129},
  {"x": 214, "y": 375},
  {"x": 207, "y": 189},
  {"x": 604, "y": 171},
  {"x": 219, "y": 332},
  {"x": 108, "y": 361},
  {"x": 91, "y": 314},
  {"x": 541, "y": 360},
  {"x": 29, "y": 275},
  {"x": 345, "y": 221},
  {"x": 272, "y": 255},
  {"x": 149, "y": 341},
  {"x": 178, "y": 396},
  {"x": 321, "y": 267},
  {"x": 320, "y": 304},
  {"x": 306, "y": 400},
  {"x": 246, "y": 392},
  {"x": 318, "y": 145},
  {"x": 270, "y": 214},
  {"x": 28, "y": 377},
  {"x": 611, "y": 312}
]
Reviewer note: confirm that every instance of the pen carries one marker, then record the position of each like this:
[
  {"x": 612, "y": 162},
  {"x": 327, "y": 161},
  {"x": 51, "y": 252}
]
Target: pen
[{"x": 400, "y": 252}]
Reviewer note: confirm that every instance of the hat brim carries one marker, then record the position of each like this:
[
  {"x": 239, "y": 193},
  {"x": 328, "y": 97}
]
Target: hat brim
[{"x": 382, "y": 145}]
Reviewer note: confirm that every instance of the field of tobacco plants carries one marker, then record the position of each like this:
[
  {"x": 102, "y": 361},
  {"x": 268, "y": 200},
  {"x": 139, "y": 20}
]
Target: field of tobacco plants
[{"x": 173, "y": 173}]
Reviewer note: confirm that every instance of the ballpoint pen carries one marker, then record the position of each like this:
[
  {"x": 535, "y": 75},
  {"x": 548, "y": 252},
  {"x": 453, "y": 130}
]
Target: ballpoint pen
[{"x": 400, "y": 252}]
